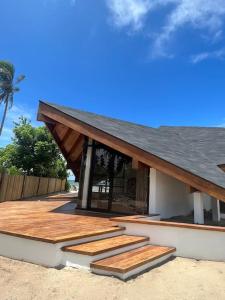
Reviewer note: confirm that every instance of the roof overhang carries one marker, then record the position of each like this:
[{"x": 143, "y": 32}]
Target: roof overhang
[{"x": 48, "y": 114}]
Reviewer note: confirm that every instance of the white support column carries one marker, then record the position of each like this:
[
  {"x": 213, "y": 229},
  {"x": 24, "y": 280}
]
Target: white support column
[
  {"x": 198, "y": 208},
  {"x": 215, "y": 210},
  {"x": 152, "y": 192},
  {"x": 87, "y": 175}
]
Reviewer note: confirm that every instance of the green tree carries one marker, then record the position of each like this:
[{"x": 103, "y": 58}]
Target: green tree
[
  {"x": 33, "y": 152},
  {"x": 7, "y": 87}
]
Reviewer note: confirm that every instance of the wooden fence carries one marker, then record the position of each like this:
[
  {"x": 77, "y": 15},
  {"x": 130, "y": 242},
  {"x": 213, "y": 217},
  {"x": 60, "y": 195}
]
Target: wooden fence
[{"x": 15, "y": 187}]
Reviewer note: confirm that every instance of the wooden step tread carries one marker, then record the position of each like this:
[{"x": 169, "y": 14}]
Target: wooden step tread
[
  {"x": 108, "y": 244},
  {"x": 125, "y": 262}
]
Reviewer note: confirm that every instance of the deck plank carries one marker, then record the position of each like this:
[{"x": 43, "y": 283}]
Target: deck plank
[
  {"x": 109, "y": 244},
  {"x": 130, "y": 260}
]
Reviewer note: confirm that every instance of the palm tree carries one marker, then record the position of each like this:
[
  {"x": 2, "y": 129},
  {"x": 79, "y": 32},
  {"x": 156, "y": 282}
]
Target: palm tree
[{"x": 7, "y": 87}]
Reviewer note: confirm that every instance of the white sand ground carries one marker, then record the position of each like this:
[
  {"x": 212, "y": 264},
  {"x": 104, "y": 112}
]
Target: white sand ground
[{"x": 177, "y": 279}]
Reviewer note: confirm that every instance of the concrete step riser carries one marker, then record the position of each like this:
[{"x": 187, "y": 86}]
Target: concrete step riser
[
  {"x": 83, "y": 261},
  {"x": 134, "y": 272},
  {"x": 90, "y": 239}
]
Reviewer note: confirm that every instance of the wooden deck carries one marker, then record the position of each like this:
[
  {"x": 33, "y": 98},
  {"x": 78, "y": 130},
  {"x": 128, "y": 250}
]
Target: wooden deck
[
  {"x": 51, "y": 221},
  {"x": 86, "y": 240}
]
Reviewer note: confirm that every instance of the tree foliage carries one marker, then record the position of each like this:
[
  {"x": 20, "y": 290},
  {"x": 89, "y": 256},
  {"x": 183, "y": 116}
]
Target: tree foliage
[{"x": 32, "y": 152}]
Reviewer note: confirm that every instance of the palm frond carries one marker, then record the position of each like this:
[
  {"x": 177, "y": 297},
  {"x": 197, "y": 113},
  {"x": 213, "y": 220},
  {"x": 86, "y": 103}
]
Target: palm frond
[
  {"x": 8, "y": 68},
  {"x": 2, "y": 97},
  {"x": 19, "y": 78},
  {"x": 16, "y": 89},
  {"x": 10, "y": 99},
  {"x": 5, "y": 76},
  {"x": 4, "y": 84},
  {"x": 2, "y": 94},
  {"x": 7, "y": 87}
]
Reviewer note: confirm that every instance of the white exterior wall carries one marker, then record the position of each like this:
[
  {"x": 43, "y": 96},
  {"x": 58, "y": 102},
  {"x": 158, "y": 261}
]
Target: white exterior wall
[
  {"x": 42, "y": 253},
  {"x": 168, "y": 196},
  {"x": 190, "y": 243}
]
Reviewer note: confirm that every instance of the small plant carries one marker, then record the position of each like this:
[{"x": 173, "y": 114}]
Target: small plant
[{"x": 67, "y": 186}]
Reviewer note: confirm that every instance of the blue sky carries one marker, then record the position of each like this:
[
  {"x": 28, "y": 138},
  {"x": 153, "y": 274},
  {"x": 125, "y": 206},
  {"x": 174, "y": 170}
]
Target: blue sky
[{"x": 155, "y": 62}]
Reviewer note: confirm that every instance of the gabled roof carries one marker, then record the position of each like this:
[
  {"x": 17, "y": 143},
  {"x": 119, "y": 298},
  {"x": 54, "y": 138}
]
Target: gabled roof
[{"x": 198, "y": 150}]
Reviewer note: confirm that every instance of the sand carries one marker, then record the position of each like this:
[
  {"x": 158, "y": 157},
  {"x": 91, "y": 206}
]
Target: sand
[{"x": 177, "y": 279}]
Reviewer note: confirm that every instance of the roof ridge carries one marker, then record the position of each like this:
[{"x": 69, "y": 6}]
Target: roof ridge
[{"x": 96, "y": 114}]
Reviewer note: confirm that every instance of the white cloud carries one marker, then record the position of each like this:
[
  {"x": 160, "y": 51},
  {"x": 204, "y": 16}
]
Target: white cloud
[
  {"x": 219, "y": 54},
  {"x": 221, "y": 124},
  {"x": 17, "y": 111},
  {"x": 206, "y": 15},
  {"x": 129, "y": 12},
  {"x": 199, "y": 14}
]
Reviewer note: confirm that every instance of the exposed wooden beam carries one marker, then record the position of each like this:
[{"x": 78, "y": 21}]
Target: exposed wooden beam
[
  {"x": 66, "y": 136},
  {"x": 74, "y": 164},
  {"x": 71, "y": 164},
  {"x": 60, "y": 130},
  {"x": 133, "y": 151},
  {"x": 77, "y": 152},
  {"x": 58, "y": 141},
  {"x": 45, "y": 119},
  {"x": 135, "y": 164},
  {"x": 79, "y": 141},
  {"x": 74, "y": 145},
  {"x": 191, "y": 189}
]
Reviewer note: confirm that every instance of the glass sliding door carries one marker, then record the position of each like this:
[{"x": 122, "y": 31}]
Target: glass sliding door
[
  {"x": 100, "y": 179},
  {"x": 113, "y": 183}
]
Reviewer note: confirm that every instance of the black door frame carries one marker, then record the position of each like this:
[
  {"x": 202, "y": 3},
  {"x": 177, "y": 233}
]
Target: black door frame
[
  {"x": 94, "y": 146},
  {"x": 110, "y": 200}
]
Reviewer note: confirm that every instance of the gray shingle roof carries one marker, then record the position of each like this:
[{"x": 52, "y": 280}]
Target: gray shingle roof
[{"x": 198, "y": 150}]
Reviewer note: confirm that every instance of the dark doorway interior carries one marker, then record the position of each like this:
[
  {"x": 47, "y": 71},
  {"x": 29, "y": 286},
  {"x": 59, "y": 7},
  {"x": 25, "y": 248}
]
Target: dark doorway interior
[{"x": 114, "y": 185}]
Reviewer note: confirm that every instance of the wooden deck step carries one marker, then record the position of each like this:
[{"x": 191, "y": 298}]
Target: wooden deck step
[
  {"x": 132, "y": 262},
  {"x": 104, "y": 245}
]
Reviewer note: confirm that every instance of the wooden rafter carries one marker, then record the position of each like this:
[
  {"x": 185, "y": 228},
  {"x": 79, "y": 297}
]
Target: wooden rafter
[
  {"x": 78, "y": 145},
  {"x": 74, "y": 165},
  {"x": 45, "y": 119},
  {"x": 191, "y": 189},
  {"x": 60, "y": 130},
  {"x": 57, "y": 139},
  {"x": 66, "y": 136},
  {"x": 74, "y": 145}
]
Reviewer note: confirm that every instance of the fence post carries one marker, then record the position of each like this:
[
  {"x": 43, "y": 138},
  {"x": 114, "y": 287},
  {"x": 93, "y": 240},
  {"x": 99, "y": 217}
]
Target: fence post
[
  {"x": 3, "y": 187},
  {"x": 39, "y": 180},
  {"x": 48, "y": 185},
  {"x": 55, "y": 185},
  {"x": 22, "y": 191}
]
